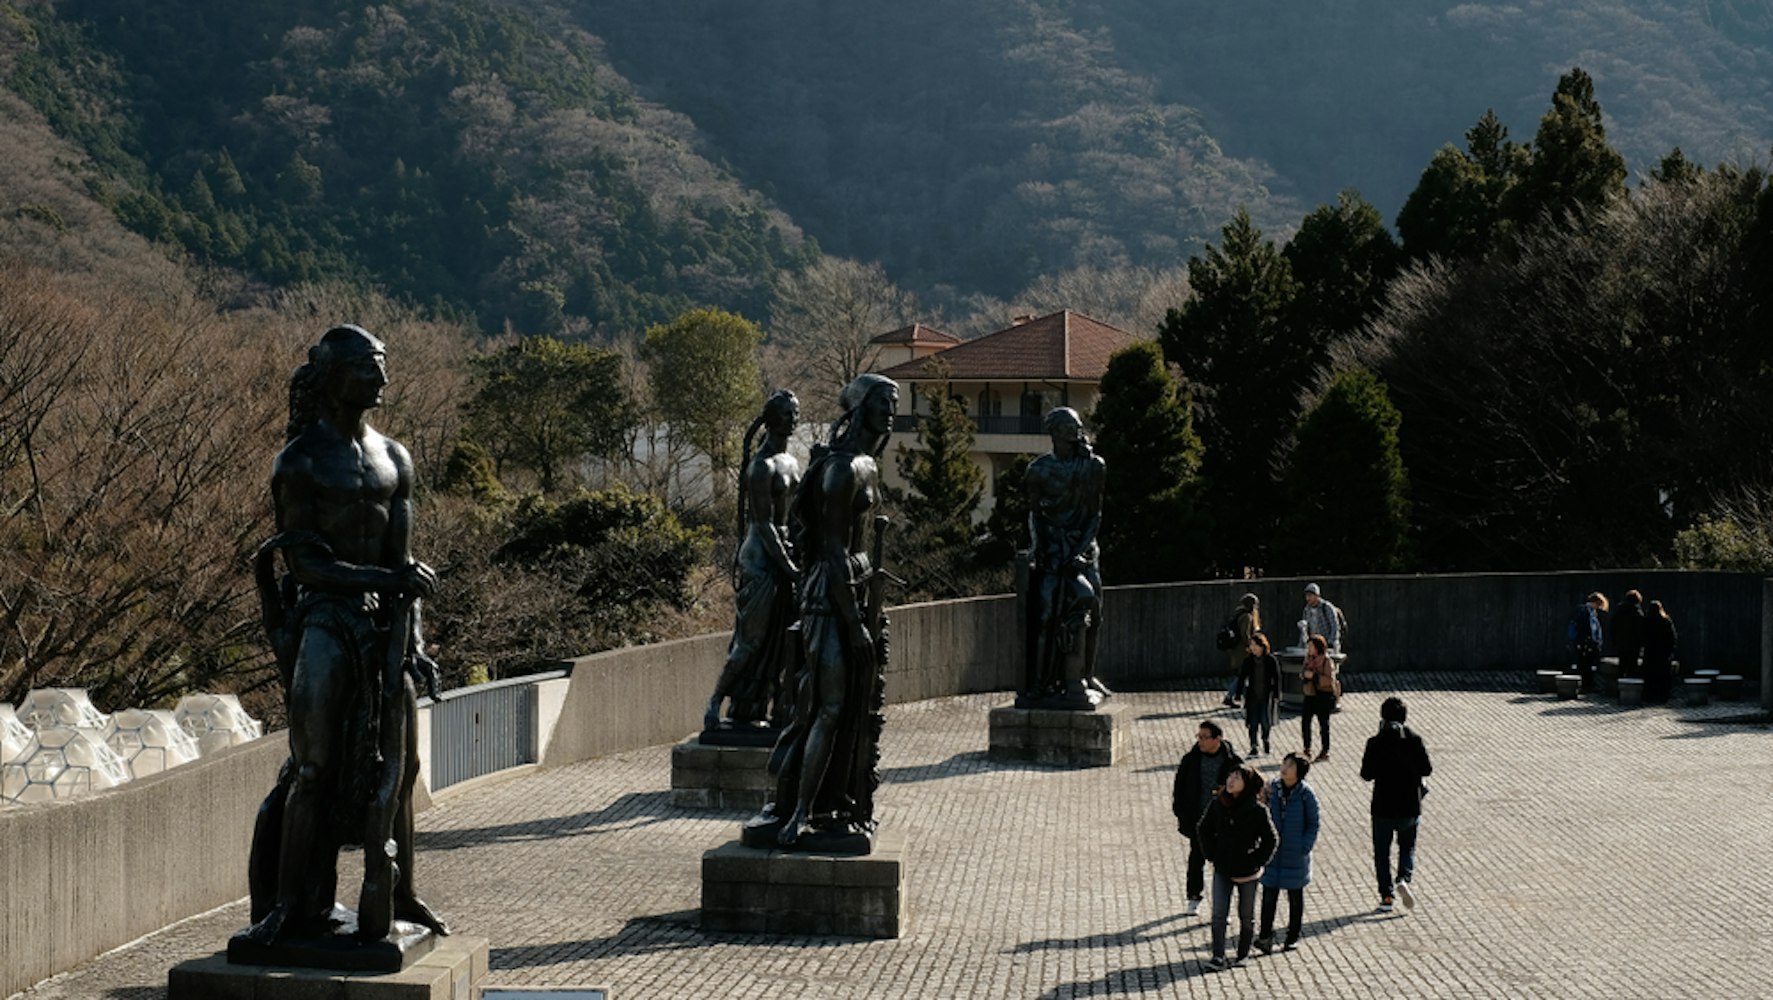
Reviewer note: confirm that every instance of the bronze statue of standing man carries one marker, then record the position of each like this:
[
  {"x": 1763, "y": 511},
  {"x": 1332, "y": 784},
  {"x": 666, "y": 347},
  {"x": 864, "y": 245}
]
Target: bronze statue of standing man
[
  {"x": 764, "y": 575},
  {"x": 345, "y": 627},
  {"x": 1064, "y": 595},
  {"x": 826, "y": 762}
]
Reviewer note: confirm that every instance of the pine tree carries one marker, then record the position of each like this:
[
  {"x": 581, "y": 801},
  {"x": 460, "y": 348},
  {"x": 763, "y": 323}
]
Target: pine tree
[
  {"x": 1152, "y": 528},
  {"x": 1456, "y": 209},
  {"x": 1572, "y": 167},
  {"x": 945, "y": 482},
  {"x": 1347, "y": 492},
  {"x": 1342, "y": 257},
  {"x": 1232, "y": 336}
]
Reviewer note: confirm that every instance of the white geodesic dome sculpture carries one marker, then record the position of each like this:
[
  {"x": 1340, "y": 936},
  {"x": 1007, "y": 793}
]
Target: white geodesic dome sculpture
[
  {"x": 51, "y": 708},
  {"x": 149, "y": 741},
  {"x": 14, "y": 735},
  {"x": 61, "y": 762},
  {"x": 216, "y": 721}
]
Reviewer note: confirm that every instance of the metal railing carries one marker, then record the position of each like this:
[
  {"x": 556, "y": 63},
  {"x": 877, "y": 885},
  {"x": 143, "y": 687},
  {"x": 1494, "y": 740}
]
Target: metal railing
[
  {"x": 907, "y": 422},
  {"x": 485, "y": 728}
]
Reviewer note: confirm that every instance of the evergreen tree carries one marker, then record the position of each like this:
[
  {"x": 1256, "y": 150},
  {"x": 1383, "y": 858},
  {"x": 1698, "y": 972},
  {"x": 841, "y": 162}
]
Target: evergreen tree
[
  {"x": 705, "y": 379},
  {"x": 1006, "y": 529},
  {"x": 1152, "y": 528},
  {"x": 1572, "y": 166},
  {"x": 1347, "y": 491},
  {"x": 1456, "y": 208},
  {"x": 1342, "y": 257},
  {"x": 945, "y": 482},
  {"x": 1233, "y": 337},
  {"x": 543, "y": 404},
  {"x": 1675, "y": 168}
]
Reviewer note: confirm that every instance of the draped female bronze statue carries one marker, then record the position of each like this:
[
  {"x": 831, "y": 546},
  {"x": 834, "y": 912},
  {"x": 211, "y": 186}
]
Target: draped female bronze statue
[
  {"x": 344, "y": 623},
  {"x": 764, "y": 575},
  {"x": 1064, "y": 595},
  {"x": 826, "y": 762}
]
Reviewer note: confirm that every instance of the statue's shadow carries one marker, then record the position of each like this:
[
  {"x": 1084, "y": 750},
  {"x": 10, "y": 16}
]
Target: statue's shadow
[
  {"x": 959, "y": 765},
  {"x": 630, "y": 812}
]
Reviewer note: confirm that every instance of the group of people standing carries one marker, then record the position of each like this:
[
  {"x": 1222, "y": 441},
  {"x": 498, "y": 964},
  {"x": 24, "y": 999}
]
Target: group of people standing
[
  {"x": 1257, "y": 832},
  {"x": 1256, "y": 673},
  {"x": 1643, "y": 639}
]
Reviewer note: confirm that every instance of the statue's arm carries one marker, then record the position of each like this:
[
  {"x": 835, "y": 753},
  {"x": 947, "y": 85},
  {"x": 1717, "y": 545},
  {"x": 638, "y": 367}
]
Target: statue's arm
[{"x": 1092, "y": 498}]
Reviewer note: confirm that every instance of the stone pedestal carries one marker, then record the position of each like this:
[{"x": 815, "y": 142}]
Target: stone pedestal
[
  {"x": 448, "y": 972},
  {"x": 1697, "y": 690},
  {"x": 1728, "y": 687},
  {"x": 1631, "y": 690},
  {"x": 1607, "y": 675},
  {"x": 707, "y": 776},
  {"x": 750, "y": 890},
  {"x": 1548, "y": 681},
  {"x": 1569, "y": 685},
  {"x": 1053, "y": 736}
]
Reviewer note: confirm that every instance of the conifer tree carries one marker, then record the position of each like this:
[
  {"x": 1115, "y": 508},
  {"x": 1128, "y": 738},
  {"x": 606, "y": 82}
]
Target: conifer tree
[
  {"x": 1347, "y": 492},
  {"x": 1233, "y": 337},
  {"x": 1572, "y": 166},
  {"x": 1342, "y": 257},
  {"x": 1152, "y": 529},
  {"x": 1456, "y": 209},
  {"x": 945, "y": 482}
]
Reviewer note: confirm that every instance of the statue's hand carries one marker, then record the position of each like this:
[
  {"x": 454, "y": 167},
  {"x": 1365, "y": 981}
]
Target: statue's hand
[
  {"x": 418, "y": 580},
  {"x": 427, "y": 676}
]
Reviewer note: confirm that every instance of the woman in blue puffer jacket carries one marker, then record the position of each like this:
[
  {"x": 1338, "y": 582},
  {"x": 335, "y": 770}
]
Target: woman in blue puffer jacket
[{"x": 1293, "y": 807}]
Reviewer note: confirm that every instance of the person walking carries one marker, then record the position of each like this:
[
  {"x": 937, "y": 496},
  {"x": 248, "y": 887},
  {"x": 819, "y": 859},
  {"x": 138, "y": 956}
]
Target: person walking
[
  {"x": 1321, "y": 617},
  {"x": 1395, "y": 762},
  {"x": 1659, "y": 645},
  {"x": 1246, "y": 621},
  {"x": 1628, "y": 633},
  {"x": 1318, "y": 677},
  {"x": 1260, "y": 680},
  {"x": 1239, "y": 840},
  {"x": 1292, "y": 806},
  {"x": 1203, "y": 771}
]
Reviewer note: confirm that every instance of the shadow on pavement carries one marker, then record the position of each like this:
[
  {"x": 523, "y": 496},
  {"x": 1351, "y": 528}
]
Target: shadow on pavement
[
  {"x": 1158, "y": 978},
  {"x": 633, "y": 810},
  {"x": 647, "y": 935},
  {"x": 970, "y": 762}
]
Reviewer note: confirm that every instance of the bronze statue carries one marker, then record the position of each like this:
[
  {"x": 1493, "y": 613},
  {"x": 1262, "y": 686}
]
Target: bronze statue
[
  {"x": 344, "y": 623},
  {"x": 826, "y": 762},
  {"x": 764, "y": 575},
  {"x": 1063, "y": 600}
]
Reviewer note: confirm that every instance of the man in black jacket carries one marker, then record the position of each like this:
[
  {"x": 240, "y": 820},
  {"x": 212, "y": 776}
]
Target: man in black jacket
[
  {"x": 1203, "y": 770},
  {"x": 1395, "y": 762}
]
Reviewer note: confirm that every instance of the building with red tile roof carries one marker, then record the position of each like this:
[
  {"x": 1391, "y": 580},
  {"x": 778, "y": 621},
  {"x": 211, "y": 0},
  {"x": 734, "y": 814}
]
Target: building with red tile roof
[{"x": 1008, "y": 379}]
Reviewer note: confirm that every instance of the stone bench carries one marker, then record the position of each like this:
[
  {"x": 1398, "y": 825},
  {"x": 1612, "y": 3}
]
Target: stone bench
[
  {"x": 1631, "y": 690},
  {"x": 1728, "y": 687},
  {"x": 1569, "y": 686},
  {"x": 1697, "y": 690},
  {"x": 1548, "y": 681}
]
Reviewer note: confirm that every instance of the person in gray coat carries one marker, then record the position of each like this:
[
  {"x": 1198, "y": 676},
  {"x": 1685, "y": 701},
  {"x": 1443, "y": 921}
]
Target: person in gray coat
[{"x": 1292, "y": 805}]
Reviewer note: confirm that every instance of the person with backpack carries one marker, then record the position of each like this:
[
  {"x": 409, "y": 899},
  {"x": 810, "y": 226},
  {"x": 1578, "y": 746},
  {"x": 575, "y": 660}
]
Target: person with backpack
[
  {"x": 1585, "y": 636},
  {"x": 1322, "y": 618},
  {"x": 1234, "y": 639}
]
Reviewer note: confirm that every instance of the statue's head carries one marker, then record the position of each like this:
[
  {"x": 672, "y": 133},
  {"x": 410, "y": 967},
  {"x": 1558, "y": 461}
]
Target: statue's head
[
  {"x": 781, "y": 412},
  {"x": 870, "y": 401},
  {"x": 348, "y": 366},
  {"x": 1064, "y": 424}
]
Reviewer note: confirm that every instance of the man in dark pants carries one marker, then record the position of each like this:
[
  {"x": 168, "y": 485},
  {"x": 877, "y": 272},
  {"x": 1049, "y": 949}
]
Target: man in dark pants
[
  {"x": 1202, "y": 772},
  {"x": 1395, "y": 762}
]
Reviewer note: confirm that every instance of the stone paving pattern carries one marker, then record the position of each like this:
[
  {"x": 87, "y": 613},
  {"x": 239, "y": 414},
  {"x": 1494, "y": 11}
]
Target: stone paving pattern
[{"x": 1569, "y": 850}]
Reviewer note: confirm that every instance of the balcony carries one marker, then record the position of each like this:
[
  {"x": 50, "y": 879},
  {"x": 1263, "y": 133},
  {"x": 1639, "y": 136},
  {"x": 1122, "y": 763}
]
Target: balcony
[{"x": 907, "y": 423}]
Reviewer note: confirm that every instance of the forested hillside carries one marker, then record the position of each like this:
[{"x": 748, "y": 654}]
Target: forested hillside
[
  {"x": 979, "y": 145},
  {"x": 471, "y": 155}
]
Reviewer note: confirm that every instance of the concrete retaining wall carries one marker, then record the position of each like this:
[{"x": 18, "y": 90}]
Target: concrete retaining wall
[
  {"x": 87, "y": 875},
  {"x": 83, "y": 876}
]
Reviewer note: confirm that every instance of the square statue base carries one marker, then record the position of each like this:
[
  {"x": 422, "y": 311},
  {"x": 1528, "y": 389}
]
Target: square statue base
[
  {"x": 749, "y": 890},
  {"x": 1058, "y": 737},
  {"x": 705, "y": 776},
  {"x": 448, "y": 972}
]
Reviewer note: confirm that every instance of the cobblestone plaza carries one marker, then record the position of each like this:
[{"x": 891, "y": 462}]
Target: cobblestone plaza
[{"x": 1568, "y": 849}]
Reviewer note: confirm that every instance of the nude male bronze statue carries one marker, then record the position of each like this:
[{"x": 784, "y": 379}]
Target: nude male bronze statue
[
  {"x": 344, "y": 623},
  {"x": 1064, "y": 596}
]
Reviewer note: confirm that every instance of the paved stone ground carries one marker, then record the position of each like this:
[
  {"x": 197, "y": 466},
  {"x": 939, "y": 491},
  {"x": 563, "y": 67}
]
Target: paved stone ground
[{"x": 1568, "y": 850}]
